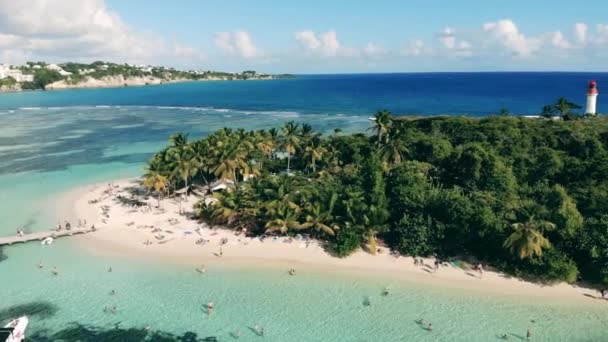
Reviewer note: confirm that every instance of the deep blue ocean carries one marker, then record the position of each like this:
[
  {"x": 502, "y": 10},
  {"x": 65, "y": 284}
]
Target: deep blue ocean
[{"x": 475, "y": 94}]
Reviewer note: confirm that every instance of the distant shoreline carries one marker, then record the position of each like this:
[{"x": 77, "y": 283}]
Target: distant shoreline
[{"x": 109, "y": 86}]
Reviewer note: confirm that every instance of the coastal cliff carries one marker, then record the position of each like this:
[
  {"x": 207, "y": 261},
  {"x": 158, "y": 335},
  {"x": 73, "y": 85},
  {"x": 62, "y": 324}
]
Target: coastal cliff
[
  {"x": 43, "y": 76},
  {"x": 107, "y": 82}
]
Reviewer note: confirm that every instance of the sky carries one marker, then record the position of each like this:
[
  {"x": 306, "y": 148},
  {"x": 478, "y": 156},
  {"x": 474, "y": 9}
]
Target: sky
[{"x": 312, "y": 36}]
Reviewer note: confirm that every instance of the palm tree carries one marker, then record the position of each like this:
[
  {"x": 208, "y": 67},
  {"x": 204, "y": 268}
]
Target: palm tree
[
  {"x": 375, "y": 222},
  {"x": 383, "y": 122},
  {"x": 315, "y": 152},
  {"x": 564, "y": 107},
  {"x": 154, "y": 180},
  {"x": 320, "y": 215},
  {"x": 225, "y": 209},
  {"x": 179, "y": 140},
  {"x": 265, "y": 144},
  {"x": 184, "y": 161},
  {"x": 286, "y": 218},
  {"x": 393, "y": 151},
  {"x": 527, "y": 239},
  {"x": 291, "y": 140}
]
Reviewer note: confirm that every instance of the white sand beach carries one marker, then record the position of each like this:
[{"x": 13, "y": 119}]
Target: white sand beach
[{"x": 168, "y": 236}]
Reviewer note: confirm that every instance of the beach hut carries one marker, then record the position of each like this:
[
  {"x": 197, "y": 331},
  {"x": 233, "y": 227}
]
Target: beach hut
[{"x": 221, "y": 185}]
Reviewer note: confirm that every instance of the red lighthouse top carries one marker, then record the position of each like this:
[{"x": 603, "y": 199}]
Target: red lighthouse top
[{"x": 592, "y": 88}]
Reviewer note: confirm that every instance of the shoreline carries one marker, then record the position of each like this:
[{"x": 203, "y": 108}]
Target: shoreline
[
  {"x": 125, "y": 231},
  {"x": 110, "y": 86}
]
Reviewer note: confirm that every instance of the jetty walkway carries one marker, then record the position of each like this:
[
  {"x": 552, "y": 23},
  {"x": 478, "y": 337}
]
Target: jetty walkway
[{"x": 39, "y": 236}]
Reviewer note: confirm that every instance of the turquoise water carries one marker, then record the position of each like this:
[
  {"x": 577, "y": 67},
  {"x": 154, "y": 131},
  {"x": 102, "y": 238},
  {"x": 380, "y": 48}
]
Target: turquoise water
[
  {"x": 53, "y": 142},
  {"x": 313, "y": 306}
]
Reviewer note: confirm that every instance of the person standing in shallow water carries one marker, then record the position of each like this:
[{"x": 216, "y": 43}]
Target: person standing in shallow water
[{"x": 528, "y": 334}]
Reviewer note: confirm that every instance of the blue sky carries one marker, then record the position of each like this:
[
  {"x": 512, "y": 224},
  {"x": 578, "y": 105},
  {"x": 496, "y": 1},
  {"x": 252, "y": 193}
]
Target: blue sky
[{"x": 313, "y": 36}]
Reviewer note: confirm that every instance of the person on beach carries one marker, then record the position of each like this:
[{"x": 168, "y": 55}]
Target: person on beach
[
  {"x": 436, "y": 265},
  {"x": 221, "y": 252},
  {"x": 58, "y": 226},
  {"x": 68, "y": 226},
  {"x": 602, "y": 292},
  {"x": 292, "y": 271},
  {"x": 528, "y": 334}
]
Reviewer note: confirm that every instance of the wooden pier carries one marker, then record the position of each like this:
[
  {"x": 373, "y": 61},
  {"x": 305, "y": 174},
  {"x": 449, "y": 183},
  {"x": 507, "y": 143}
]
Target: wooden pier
[{"x": 39, "y": 236}]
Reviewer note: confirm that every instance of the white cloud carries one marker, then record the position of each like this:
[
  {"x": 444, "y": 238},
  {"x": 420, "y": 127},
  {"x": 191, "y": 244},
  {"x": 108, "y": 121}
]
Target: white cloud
[
  {"x": 81, "y": 30},
  {"x": 557, "y": 40},
  {"x": 60, "y": 30},
  {"x": 373, "y": 51},
  {"x": 580, "y": 32},
  {"x": 324, "y": 44},
  {"x": 415, "y": 48},
  {"x": 447, "y": 37},
  {"x": 238, "y": 43},
  {"x": 506, "y": 33},
  {"x": 308, "y": 39}
]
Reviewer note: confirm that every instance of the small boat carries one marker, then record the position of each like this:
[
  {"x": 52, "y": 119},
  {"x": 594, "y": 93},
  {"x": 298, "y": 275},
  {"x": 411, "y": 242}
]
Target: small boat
[
  {"x": 49, "y": 240},
  {"x": 14, "y": 331}
]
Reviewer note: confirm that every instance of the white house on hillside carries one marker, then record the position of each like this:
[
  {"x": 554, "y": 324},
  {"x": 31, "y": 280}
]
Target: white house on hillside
[
  {"x": 7, "y": 71},
  {"x": 58, "y": 69}
]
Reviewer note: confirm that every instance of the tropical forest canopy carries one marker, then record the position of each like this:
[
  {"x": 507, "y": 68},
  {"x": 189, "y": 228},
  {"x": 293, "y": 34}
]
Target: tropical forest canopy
[{"x": 529, "y": 196}]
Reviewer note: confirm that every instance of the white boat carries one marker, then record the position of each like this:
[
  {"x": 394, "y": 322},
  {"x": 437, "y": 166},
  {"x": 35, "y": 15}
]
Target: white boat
[
  {"x": 47, "y": 241},
  {"x": 14, "y": 331}
]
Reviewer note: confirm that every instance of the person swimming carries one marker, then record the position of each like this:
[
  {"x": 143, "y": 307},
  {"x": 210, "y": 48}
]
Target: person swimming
[
  {"x": 430, "y": 327},
  {"x": 292, "y": 271},
  {"x": 386, "y": 291},
  {"x": 209, "y": 308},
  {"x": 40, "y": 265},
  {"x": 112, "y": 292},
  {"x": 55, "y": 271},
  {"x": 367, "y": 301}
]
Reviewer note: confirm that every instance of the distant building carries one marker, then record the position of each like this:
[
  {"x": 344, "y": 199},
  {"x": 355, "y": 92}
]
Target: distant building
[
  {"x": 592, "y": 93},
  {"x": 7, "y": 71}
]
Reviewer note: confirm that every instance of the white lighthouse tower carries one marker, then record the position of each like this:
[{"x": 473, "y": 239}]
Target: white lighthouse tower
[{"x": 591, "y": 98}]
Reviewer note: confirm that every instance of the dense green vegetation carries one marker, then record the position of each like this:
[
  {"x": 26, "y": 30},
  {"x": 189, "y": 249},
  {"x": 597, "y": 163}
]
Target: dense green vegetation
[
  {"x": 529, "y": 196},
  {"x": 8, "y": 82}
]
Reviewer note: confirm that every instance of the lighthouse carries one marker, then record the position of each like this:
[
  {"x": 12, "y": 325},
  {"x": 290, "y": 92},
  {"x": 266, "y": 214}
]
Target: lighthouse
[{"x": 591, "y": 98}]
